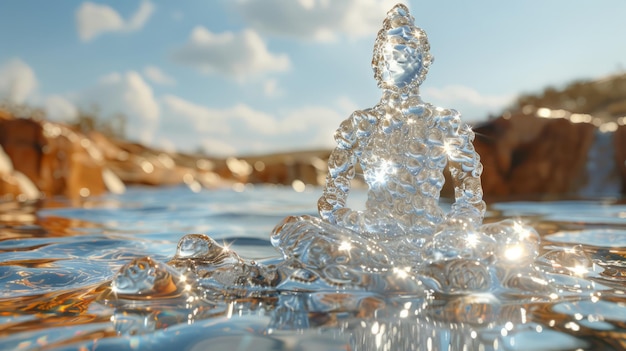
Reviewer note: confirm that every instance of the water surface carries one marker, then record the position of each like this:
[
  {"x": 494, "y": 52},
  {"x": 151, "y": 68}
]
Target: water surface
[{"x": 57, "y": 258}]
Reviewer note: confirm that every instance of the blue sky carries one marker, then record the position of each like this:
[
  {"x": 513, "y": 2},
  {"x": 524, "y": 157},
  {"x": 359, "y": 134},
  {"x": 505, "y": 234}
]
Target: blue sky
[{"x": 256, "y": 76}]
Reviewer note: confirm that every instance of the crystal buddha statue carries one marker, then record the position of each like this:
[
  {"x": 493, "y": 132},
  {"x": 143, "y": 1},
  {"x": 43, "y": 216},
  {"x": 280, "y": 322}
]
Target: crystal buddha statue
[{"x": 403, "y": 145}]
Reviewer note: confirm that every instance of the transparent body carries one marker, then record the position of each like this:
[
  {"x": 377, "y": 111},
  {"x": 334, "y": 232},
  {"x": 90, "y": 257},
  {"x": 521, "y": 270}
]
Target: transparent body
[{"x": 403, "y": 145}]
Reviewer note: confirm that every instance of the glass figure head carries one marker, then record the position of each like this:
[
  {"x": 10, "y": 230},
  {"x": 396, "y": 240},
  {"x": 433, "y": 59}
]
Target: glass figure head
[{"x": 401, "y": 52}]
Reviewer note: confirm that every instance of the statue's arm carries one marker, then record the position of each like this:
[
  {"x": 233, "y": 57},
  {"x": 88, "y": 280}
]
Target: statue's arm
[
  {"x": 341, "y": 170},
  {"x": 465, "y": 169}
]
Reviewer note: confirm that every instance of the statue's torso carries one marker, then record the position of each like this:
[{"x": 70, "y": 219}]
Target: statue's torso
[{"x": 403, "y": 162}]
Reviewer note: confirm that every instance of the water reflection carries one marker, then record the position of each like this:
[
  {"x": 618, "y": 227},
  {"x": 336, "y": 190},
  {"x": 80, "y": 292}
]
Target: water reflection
[
  {"x": 343, "y": 321},
  {"x": 55, "y": 266}
]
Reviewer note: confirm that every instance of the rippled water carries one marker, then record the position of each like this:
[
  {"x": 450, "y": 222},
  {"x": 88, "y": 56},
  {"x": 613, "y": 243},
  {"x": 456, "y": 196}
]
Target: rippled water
[{"x": 57, "y": 259}]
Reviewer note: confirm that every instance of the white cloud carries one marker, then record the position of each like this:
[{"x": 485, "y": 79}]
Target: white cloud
[
  {"x": 157, "y": 76},
  {"x": 17, "y": 81},
  {"x": 271, "y": 88},
  {"x": 239, "y": 55},
  {"x": 94, "y": 19},
  {"x": 139, "y": 19},
  {"x": 221, "y": 120},
  {"x": 320, "y": 20},
  {"x": 59, "y": 108},
  {"x": 315, "y": 125},
  {"x": 241, "y": 129},
  {"x": 130, "y": 95},
  {"x": 116, "y": 93},
  {"x": 218, "y": 148},
  {"x": 346, "y": 105},
  {"x": 203, "y": 119},
  {"x": 452, "y": 95},
  {"x": 255, "y": 120}
]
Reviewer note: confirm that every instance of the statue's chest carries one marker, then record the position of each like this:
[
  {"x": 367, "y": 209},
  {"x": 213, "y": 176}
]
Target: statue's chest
[
  {"x": 413, "y": 143},
  {"x": 398, "y": 137}
]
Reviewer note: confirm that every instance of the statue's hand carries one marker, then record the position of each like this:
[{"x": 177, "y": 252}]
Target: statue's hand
[{"x": 464, "y": 215}]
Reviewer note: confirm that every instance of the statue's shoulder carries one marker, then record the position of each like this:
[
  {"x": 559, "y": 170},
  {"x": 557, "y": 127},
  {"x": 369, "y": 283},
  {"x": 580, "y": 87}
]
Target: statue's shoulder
[
  {"x": 446, "y": 118},
  {"x": 443, "y": 112},
  {"x": 368, "y": 115}
]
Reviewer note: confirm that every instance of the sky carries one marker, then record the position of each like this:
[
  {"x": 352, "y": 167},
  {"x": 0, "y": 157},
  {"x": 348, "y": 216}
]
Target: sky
[{"x": 240, "y": 77}]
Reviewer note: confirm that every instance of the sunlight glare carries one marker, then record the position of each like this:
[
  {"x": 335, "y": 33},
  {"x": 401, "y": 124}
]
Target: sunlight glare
[
  {"x": 382, "y": 171},
  {"x": 513, "y": 253},
  {"x": 345, "y": 246}
]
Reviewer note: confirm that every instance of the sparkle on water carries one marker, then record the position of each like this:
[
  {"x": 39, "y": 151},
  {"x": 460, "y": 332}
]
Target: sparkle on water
[{"x": 401, "y": 274}]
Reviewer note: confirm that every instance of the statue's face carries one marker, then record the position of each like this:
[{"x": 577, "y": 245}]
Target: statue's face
[{"x": 402, "y": 58}]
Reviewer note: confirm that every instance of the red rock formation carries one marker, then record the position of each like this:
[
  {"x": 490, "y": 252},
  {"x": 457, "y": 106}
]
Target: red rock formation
[
  {"x": 55, "y": 159},
  {"x": 527, "y": 154},
  {"x": 23, "y": 140},
  {"x": 308, "y": 167}
]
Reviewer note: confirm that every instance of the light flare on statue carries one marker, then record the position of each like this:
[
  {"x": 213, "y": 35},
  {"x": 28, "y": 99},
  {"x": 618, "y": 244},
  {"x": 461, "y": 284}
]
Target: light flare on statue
[
  {"x": 514, "y": 252},
  {"x": 382, "y": 172},
  {"x": 402, "y": 272},
  {"x": 226, "y": 246},
  {"x": 472, "y": 239},
  {"x": 345, "y": 246},
  {"x": 183, "y": 279},
  {"x": 448, "y": 148},
  {"x": 579, "y": 270},
  {"x": 521, "y": 230}
]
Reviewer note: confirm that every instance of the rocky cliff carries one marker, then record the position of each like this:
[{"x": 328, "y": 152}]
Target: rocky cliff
[{"x": 555, "y": 152}]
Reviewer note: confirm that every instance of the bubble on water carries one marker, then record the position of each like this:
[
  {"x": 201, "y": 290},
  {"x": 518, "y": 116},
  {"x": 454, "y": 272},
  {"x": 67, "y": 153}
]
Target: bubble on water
[
  {"x": 149, "y": 278},
  {"x": 200, "y": 247},
  {"x": 518, "y": 244},
  {"x": 456, "y": 242},
  {"x": 218, "y": 268},
  {"x": 568, "y": 260},
  {"x": 194, "y": 246}
]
